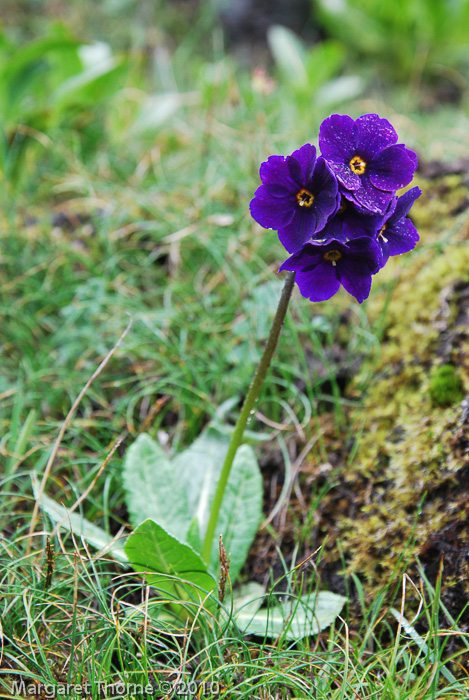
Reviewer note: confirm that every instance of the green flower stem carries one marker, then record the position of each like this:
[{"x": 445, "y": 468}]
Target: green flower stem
[{"x": 246, "y": 411}]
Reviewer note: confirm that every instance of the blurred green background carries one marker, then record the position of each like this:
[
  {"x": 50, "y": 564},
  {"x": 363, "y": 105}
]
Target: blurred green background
[{"x": 123, "y": 69}]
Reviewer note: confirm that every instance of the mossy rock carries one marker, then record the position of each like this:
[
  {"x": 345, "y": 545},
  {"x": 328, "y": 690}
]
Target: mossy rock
[
  {"x": 407, "y": 491},
  {"x": 404, "y": 496}
]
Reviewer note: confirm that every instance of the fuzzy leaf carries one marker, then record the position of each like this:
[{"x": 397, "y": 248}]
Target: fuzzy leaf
[
  {"x": 193, "y": 536},
  {"x": 153, "y": 488},
  {"x": 295, "y": 618},
  {"x": 248, "y": 598},
  {"x": 288, "y": 52},
  {"x": 241, "y": 511},
  {"x": 199, "y": 468},
  {"x": 170, "y": 565}
]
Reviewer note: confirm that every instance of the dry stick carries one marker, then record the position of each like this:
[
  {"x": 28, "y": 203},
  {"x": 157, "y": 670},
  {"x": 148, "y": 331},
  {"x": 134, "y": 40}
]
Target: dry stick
[
  {"x": 90, "y": 487},
  {"x": 64, "y": 427},
  {"x": 157, "y": 406},
  {"x": 154, "y": 411}
]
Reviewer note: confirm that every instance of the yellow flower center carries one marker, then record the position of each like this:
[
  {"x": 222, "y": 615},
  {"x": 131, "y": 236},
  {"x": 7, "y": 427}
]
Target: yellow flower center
[
  {"x": 304, "y": 198},
  {"x": 332, "y": 256},
  {"x": 357, "y": 165},
  {"x": 381, "y": 233}
]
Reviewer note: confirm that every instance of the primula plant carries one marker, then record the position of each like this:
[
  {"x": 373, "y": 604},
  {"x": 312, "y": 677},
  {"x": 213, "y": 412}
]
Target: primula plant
[{"x": 196, "y": 515}]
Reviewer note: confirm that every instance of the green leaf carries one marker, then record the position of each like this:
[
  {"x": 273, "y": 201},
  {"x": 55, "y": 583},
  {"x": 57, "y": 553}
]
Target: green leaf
[
  {"x": 323, "y": 62},
  {"x": 241, "y": 511},
  {"x": 178, "y": 494},
  {"x": 170, "y": 565},
  {"x": 34, "y": 51},
  {"x": 24, "y": 74},
  {"x": 155, "y": 111},
  {"x": 198, "y": 469},
  {"x": 295, "y": 618},
  {"x": 73, "y": 522},
  {"x": 288, "y": 53},
  {"x": 153, "y": 488},
  {"x": 90, "y": 86},
  {"x": 193, "y": 536},
  {"x": 247, "y": 599}
]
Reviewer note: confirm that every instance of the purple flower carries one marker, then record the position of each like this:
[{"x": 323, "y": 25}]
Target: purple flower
[
  {"x": 321, "y": 267},
  {"x": 297, "y": 196},
  {"x": 366, "y": 158},
  {"x": 397, "y": 234},
  {"x": 350, "y": 222}
]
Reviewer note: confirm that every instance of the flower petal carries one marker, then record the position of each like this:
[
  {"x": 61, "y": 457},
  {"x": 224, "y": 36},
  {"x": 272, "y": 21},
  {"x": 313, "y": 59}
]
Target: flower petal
[
  {"x": 373, "y": 135},
  {"x": 371, "y": 198},
  {"x": 349, "y": 180},
  {"x": 271, "y": 212},
  {"x": 306, "y": 157},
  {"x": 358, "y": 222},
  {"x": 337, "y": 140},
  {"x": 274, "y": 171},
  {"x": 325, "y": 188},
  {"x": 294, "y": 168},
  {"x": 306, "y": 256},
  {"x": 301, "y": 228},
  {"x": 402, "y": 237},
  {"x": 404, "y": 203},
  {"x": 333, "y": 229},
  {"x": 384, "y": 245},
  {"x": 318, "y": 284},
  {"x": 325, "y": 206},
  {"x": 411, "y": 154},
  {"x": 356, "y": 278},
  {"x": 366, "y": 249},
  {"x": 269, "y": 192},
  {"x": 393, "y": 168}
]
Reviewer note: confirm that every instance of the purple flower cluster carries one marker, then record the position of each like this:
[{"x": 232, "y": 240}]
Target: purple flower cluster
[{"x": 338, "y": 214}]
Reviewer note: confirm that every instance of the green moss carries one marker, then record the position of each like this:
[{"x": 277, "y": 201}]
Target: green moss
[{"x": 446, "y": 387}]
